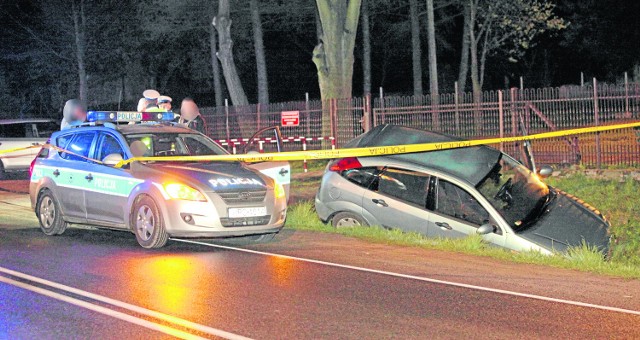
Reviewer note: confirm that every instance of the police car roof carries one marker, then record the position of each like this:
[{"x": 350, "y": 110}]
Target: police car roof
[{"x": 152, "y": 128}]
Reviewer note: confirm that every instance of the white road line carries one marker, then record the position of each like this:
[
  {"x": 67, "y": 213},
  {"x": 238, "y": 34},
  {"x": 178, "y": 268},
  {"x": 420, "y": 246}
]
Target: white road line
[
  {"x": 421, "y": 278},
  {"x": 106, "y": 311},
  {"x": 137, "y": 309}
]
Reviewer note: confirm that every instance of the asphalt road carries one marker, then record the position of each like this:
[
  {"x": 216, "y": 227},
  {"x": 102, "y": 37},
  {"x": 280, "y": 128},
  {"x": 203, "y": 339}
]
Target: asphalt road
[{"x": 205, "y": 290}]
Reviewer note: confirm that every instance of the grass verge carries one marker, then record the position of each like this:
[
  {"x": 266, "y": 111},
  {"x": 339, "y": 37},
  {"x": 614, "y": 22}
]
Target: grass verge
[{"x": 302, "y": 216}]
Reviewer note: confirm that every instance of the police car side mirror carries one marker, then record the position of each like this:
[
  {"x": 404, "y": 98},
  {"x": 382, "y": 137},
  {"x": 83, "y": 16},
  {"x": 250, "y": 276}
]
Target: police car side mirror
[{"x": 112, "y": 159}]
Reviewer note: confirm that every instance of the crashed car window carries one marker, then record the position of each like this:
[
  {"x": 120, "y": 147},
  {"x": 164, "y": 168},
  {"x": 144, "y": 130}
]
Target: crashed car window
[
  {"x": 407, "y": 186},
  {"x": 360, "y": 176},
  {"x": 514, "y": 191},
  {"x": 455, "y": 202},
  {"x": 173, "y": 144}
]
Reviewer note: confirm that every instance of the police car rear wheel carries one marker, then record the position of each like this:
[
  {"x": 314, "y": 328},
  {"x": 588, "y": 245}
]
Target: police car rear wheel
[
  {"x": 49, "y": 216},
  {"x": 148, "y": 224}
]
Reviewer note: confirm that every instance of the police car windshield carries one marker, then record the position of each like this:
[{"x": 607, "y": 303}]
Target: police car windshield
[{"x": 172, "y": 144}]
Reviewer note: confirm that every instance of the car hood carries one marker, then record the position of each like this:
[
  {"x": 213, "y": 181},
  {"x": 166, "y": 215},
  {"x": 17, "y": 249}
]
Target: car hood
[
  {"x": 567, "y": 222},
  {"x": 209, "y": 177}
]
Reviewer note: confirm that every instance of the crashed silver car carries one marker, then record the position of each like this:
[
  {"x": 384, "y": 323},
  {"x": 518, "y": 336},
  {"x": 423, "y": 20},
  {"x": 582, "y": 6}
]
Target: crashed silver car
[{"x": 454, "y": 193}]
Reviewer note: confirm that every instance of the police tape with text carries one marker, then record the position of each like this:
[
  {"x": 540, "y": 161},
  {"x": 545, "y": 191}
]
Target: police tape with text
[{"x": 357, "y": 152}]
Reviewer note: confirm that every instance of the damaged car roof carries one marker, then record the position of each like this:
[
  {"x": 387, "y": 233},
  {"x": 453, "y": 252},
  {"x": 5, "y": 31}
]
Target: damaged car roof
[{"x": 471, "y": 164}]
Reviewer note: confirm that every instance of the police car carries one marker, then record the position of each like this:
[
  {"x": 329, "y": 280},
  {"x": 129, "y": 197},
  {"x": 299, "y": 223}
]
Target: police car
[{"x": 76, "y": 181}]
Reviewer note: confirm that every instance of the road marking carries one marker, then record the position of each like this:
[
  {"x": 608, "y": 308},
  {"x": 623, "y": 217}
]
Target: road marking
[
  {"x": 137, "y": 309},
  {"x": 421, "y": 278},
  {"x": 106, "y": 311}
]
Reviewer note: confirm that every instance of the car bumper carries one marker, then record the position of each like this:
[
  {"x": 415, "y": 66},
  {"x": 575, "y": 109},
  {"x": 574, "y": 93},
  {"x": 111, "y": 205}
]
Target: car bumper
[{"x": 187, "y": 219}]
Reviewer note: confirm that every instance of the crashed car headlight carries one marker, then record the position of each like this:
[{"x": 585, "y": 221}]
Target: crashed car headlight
[
  {"x": 183, "y": 192},
  {"x": 278, "y": 190}
]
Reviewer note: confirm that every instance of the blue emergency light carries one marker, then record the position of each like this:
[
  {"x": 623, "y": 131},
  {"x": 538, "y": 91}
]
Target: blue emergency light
[{"x": 129, "y": 116}]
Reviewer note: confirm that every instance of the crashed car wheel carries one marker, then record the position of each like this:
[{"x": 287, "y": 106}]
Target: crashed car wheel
[
  {"x": 49, "y": 216},
  {"x": 347, "y": 220},
  {"x": 148, "y": 224}
]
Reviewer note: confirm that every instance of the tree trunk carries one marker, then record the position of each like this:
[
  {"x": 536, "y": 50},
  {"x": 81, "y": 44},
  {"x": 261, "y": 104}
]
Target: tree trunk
[
  {"x": 416, "y": 53},
  {"x": 464, "y": 52},
  {"x": 333, "y": 56},
  {"x": 433, "y": 64},
  {"x": 366, "y": 49},
  {"x": 475, "y": 78},
  {"x": 79, "y": 26},
  {"x": 258, "y": 44},
  {"x": 473, "y": 50},
  {"x": 215, "y": 66},
  {"x": 222, "y": 23}
]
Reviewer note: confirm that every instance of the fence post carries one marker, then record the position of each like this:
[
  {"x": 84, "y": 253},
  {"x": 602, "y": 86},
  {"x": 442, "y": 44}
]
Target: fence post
[
  {"x": 258, "y": 122},
  {"x": 581, "y": 79},
  {"x": 521, "y": 83},
  {"x": 457, "y": 102},
  {"x": 626, "y": 95},
  {"x": 501, "y": 114},
  {"x": 226, "y": 111},
  {"x": 306, "y": 108},
  {"x": 366, "y": 115},
  {"x": 596, "y": 117},
  {"x": 382, "y": 104},
  {"x": 333, "y": 107}
]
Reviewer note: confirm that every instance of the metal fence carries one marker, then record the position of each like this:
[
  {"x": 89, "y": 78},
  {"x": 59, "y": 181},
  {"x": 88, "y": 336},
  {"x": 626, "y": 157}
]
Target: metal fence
[{"x": 495, "y": 114}]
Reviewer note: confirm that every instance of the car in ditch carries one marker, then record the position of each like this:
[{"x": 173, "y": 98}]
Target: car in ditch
[
  {"x": 75, "y": 181},
  {"x": 453, "y": 193},
  {"x": 27, "y": 133}
]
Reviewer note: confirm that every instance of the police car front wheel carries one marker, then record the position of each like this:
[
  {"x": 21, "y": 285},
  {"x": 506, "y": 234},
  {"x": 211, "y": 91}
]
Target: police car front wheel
[
  {"x": 49, "y": 216},
  {"x": 148, "y": 224}
]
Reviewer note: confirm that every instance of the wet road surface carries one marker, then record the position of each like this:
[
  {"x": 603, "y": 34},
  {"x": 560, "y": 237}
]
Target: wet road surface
[{"x": 255, "y": 295}]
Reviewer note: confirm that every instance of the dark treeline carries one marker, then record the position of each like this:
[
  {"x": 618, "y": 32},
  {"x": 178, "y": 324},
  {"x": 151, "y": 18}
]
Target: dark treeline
[{"x": 109, "y": 51}]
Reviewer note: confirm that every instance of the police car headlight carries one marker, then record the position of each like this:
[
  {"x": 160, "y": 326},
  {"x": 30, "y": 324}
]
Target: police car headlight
[
  {"x": 183, "y": 192},
  {"x": 278, "y": 190}
]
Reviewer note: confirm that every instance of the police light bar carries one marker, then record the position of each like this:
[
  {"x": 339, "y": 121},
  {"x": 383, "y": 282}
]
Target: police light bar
[{"x": 129, "y": 116}]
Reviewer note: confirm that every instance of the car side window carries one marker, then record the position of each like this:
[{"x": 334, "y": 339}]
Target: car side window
[
  {"x": 453, "y": 201},
  {"x": 408, "y": 186},
  {"x": 108, "y": 145},
  {"x": 360, "y": 176},
  {"x": 79, "y": 145}
]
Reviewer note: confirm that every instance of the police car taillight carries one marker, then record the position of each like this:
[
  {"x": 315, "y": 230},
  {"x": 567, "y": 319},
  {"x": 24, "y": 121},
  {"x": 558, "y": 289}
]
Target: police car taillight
[
  {"x": 344, "y": 164},
  {"x": 128, "y": 116},
  {"x": 33, "y": 163}
]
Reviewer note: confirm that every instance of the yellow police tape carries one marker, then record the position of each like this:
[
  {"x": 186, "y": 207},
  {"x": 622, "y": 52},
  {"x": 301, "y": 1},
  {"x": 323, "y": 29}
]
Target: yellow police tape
[
  {"x": 354, "y": 152},
  {"x": 377, "y": 150}
]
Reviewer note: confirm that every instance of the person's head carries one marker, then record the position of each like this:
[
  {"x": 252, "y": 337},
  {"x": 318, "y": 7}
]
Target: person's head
[
  {"x": 74, "y": 110},
  {"x": 164, "y": 102},
  {"x": 189, "y": 110}
]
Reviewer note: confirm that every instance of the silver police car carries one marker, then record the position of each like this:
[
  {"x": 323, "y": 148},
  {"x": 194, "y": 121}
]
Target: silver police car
[
  {"x": 78, "y": 183},
  {"x": 454, "y": 193}
]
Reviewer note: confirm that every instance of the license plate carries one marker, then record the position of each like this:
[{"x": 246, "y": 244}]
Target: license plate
[{"x": 247, "y": 212}]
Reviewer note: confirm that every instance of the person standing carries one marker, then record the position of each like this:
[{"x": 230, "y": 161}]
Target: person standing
[
  {"x": 148, "y": 101},
  {"x": 190, "y": 116},
  {"x": 164, "y": 102},
  {"x": 74, "y": 113}
]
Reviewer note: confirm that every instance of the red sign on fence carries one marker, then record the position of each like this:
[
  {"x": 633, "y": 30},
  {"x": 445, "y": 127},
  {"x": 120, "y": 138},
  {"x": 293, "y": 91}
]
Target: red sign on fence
[{"x": 290, "y": 118}]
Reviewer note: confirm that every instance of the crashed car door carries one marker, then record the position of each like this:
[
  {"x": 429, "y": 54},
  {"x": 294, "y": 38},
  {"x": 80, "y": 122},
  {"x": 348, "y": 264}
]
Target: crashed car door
[
  {"x": 270, "y": 140},
  {"x": 457, "y": 213},
  {"x": 397, "y": 199}
]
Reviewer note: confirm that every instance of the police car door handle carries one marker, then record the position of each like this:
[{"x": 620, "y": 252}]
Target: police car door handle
[
  {"x": 283, "y": 172},
  {"x": 444, "y": 225},
  {"x": 56, "y": 172},
  {"x": 88, "y": 177},
  {"x": 378, "y": 202}
]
